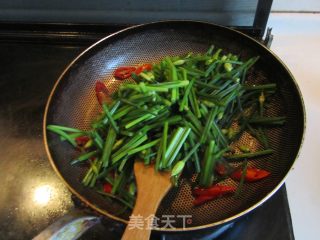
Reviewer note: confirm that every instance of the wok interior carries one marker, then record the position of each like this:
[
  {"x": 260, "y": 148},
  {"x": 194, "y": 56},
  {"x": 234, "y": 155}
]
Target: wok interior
[{"x": 74, "y": 103}]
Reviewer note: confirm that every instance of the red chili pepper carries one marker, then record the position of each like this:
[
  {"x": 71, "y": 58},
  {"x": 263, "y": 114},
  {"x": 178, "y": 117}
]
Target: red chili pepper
[
  {"x": 202, "y": 199},
  {"x": 252, "y": 174},
  {"x": 143, "y": 67},
  {"x": 215, "y": 190},
  {"x": 107, "y": 187},
  {"x": 123, "y": 72},
  {"x": 82, "y": 140},
  {"x": 101, "y": 87},
  {"x": 102, "y": 93},
  {"x": 206, "y": 194}
]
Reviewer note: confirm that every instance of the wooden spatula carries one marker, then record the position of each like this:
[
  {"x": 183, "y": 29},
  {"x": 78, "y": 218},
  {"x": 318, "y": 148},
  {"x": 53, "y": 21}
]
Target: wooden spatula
[{"x": 151, "y": 188}]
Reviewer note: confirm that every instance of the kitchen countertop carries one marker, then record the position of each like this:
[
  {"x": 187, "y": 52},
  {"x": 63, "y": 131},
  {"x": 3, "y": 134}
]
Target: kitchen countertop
[{"x": 297, "y": 43}]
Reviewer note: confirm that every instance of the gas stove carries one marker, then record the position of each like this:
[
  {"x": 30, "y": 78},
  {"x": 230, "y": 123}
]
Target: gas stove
[{"x": 31, "y": 195}]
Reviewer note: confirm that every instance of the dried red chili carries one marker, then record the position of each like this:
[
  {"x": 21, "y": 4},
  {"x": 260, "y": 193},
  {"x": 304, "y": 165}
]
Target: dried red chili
[
  {"x": 144, "y": 67},
  {"x": 252, "y": 174},
  {"x": 206, "y": 194},
  {"x": 107, "y": 187},
  {"x": 102, "y": 93},
  {"x": 123, "y": 72}
]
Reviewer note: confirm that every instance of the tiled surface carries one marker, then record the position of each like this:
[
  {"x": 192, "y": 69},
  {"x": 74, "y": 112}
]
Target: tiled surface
[{"x": 297, "y": 43}]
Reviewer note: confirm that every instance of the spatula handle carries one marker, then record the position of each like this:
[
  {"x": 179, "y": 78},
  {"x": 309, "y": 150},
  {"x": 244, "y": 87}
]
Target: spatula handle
[
  {"x": 139, "y": 226},
  {"x": 151, "y": 189}
]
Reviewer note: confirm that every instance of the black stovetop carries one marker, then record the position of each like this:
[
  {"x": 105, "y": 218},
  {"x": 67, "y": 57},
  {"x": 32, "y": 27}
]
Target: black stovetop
[{"x": 29, "y": 69}]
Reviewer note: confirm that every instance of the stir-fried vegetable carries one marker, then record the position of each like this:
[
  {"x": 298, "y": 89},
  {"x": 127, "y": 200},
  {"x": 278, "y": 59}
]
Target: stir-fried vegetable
[{"x": 182, "y": 111}]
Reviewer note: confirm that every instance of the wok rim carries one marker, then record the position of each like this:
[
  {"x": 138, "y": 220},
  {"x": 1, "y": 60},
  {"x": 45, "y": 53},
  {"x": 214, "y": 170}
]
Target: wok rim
[{"x": 200, "y": 227}]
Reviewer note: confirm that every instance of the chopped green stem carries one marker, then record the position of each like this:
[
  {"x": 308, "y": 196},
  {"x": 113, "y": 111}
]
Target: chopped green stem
[
  {"x": 228, "y": 90},
  {"x": 143, "y": 147},
  {"x": 249, "y": 155},
  {"x": 172, "y": 120},
  {"x": 195, "y": 159},
  {"x": 126, "y": 133},
  {"x": 73, "y": 135},
  {"x": 109, "y": 116},
  {"x": 137, "y": 106},
  {"x": 212, "y": 98},
  {"x": 184, "y": 101},
  {"x": 118, "y": 183},
  {"x": 87, "y": 178},
  {"x": 164, "y": 142},
  {"x": 63, "y": 128},
  {"x": 263, "y": 137},
  {"x": 124, "y": 152},
  {"x": 260, "y": 87},
  {"x": 123, "y": 163},
  {"x": 129, "y": 144},
  {"x": 268, "y": 120},
  {"x": 206, "y": 176},
  {"x": 158, "y": 157},
  {"x": 175, "y": 84},
  {"x": 96, "y": 165},
  {"x": 219, "y": 134},
  {"x": 194, "y": 103},
  {"x": 177, "y": 147},
  {"x": 208, "y": 125},
  {"x": 193, "y": 150},
  {"x": 85, "y": 157},
  {"x": 112, "y": 111},
  {"x": 62, "y": 134},
  {"x": 174, "y": 141},
  {"x": 160, "y": 87},
  {"x": 138, "y": 120},
  {"x": 196, "y": 123},
  {"x": 207, "y": 85},
  {"x": 97, "y": 139},
  {"x": 122, "y": 112},
  {"x": 129, "y": 205},
  {"x": 244, "y": 173},
  {"x": 111, "y": 137}
]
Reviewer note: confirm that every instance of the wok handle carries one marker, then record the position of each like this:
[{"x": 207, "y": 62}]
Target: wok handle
[{"x": 71, "y": 226}]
